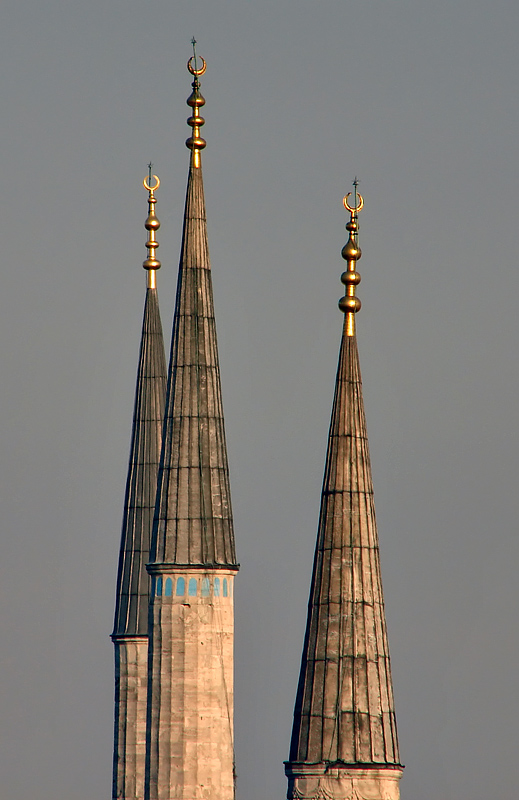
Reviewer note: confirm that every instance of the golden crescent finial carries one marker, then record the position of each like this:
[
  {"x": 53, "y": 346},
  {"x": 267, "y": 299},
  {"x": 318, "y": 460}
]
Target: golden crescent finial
[
  {"x": 151, "y": 188},
  {"x": 349, "y": 208},
  {"x": 152, "y": 225},
  {"x": 196, "y": 142},
  {"x": 197, "y": 72},
  {"x": 351, "y": 252}
]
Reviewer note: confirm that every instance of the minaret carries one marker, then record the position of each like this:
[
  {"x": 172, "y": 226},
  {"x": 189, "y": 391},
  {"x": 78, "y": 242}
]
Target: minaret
[
  {"x": 130, "y": 635},
  {"x": 344, "y": 740},
  {"x": 189, "y": 748}
]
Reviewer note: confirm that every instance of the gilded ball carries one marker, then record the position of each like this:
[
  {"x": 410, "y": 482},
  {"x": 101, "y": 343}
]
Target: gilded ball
[
  {"x": 196, "y": 120},
  {"x": 195, "y": 143},
  {"x": 151, "y": 263},
  {"x": 351, "y": 304},
  {"x": 349, "y": 278},
  {"x": 152, "y": 223},
  {"x": 195, "y": 99},
  {"x": 351, "y": 251}
]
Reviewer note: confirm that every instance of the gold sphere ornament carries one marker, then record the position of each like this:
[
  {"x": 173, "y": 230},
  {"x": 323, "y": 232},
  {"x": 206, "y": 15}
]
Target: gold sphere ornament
[
  {"x": 351, "y": 250},
  {"x": 350, "y": 304},
  {"x": 350, "y": 278}
]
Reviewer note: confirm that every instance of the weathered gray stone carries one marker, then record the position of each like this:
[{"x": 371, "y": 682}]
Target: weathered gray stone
[
  {"x": 344, "y": 740},
  {"x": 190, "y": 703},
  {"x": 130, "y": 634},
  {"x": 319, "y": 783},
  {"x": 132, "y": 595},
  {"x": 131, "y": 671},
  {"x": 194, "y": 517},
  {"x": 189, "y": 749}
]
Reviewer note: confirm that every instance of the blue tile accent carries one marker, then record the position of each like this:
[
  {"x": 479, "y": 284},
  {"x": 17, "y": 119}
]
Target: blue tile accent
[
  {"x": 193, "y": 587},
  {"x": 158, "y": 588},
  {"x": 225, "y": 592},
  {"x": 168, "y": 588},
  {"x": 217, "y": 587},
  {"x": 205, "y": 587},
  {"x": 181, "y": 587}
]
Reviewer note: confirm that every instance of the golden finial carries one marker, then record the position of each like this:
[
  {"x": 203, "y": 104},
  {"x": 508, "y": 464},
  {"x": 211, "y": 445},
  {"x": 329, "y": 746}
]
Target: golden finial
[
  {"x": 152, "y": 225},
  {"x": 195, "y": 100},
  {"x": 351, "y": 253}
]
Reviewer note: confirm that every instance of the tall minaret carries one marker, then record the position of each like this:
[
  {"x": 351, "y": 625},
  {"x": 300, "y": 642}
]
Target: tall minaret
[
  {"x": 130, "y": 635},
  {"x": 189, "y": 747},
  {"x": 344, "y": 740}
]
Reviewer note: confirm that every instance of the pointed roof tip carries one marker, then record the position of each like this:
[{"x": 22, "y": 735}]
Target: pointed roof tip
[
  {"x": 152, "y": 225},
  {"x": 193, "y": 516},
  {"x": 351, "y": 252},
  {"x": 346, "y": 637},
  {"x": 344, "y": 715},
  {"x": 132, "y": 592},
  {"x": 196, "y": 143}
]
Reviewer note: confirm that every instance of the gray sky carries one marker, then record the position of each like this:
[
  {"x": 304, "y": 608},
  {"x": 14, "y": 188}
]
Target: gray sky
[{"x": 420, "y": 101}]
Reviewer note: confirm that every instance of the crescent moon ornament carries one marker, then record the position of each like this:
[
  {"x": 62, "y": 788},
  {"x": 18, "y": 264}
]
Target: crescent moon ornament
[
  {"x": 197, "y": 72},
  {"x": 347, "y": 205},
  {"x": 151, "y": 188}
]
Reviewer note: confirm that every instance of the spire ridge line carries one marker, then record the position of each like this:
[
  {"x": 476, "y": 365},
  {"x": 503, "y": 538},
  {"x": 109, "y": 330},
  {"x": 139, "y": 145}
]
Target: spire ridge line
[
  {"x": 192, "y": 561},
  {"x": 130, "y": 631},
  {"x": 344, "y": 739}
]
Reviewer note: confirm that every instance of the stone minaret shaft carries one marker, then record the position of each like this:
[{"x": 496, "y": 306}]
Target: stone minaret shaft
[
  {"x": 130, "y": 634},
  {"x": 344, "y": 740},
  {"x": 193, "y": 563}
]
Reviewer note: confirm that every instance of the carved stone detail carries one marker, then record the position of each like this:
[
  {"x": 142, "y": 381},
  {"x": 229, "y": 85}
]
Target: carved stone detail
[{"x": 346, "y": 784}]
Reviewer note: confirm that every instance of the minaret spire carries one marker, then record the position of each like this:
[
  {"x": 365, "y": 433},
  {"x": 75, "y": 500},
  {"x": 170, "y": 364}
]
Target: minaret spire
[
  {"x": 130, "y": 634},
  {"x": 192, "y": 560},
  {"x": 344, "y": 740}
]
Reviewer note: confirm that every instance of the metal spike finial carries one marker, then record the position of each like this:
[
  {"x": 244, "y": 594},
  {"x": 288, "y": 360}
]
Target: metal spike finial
[
  {"x": 152, "y": 225},
  {"x": 351, "y": 252},
  {"x": 195, "y": 142}
]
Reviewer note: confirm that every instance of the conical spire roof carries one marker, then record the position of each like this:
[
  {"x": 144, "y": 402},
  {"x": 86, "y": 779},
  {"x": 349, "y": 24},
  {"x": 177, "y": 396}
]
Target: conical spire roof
[
  {"x": 344, "y": 713},
  {"x": 193, "y": 518},
  {"x": 131, "y": 611}
]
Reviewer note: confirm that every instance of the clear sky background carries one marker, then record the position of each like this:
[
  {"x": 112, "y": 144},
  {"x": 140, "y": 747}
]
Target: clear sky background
[{"x": 420, "y": 101}]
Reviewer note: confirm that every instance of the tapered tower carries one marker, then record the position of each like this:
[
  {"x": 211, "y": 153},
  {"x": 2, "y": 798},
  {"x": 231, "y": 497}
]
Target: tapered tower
[
  {"x": 344, "y": 740},
  {"x": 130, "y": 634},
  {"x": 192, "y": 562}
]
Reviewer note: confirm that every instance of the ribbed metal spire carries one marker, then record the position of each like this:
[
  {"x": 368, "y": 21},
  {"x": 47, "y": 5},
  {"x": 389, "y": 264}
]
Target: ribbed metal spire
[
  {"x": 344, "y": 721},
  {"x": 190, "y": 731},
  {"x": 131, "y": 611},
  {"x": 193, "y": 524}
]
